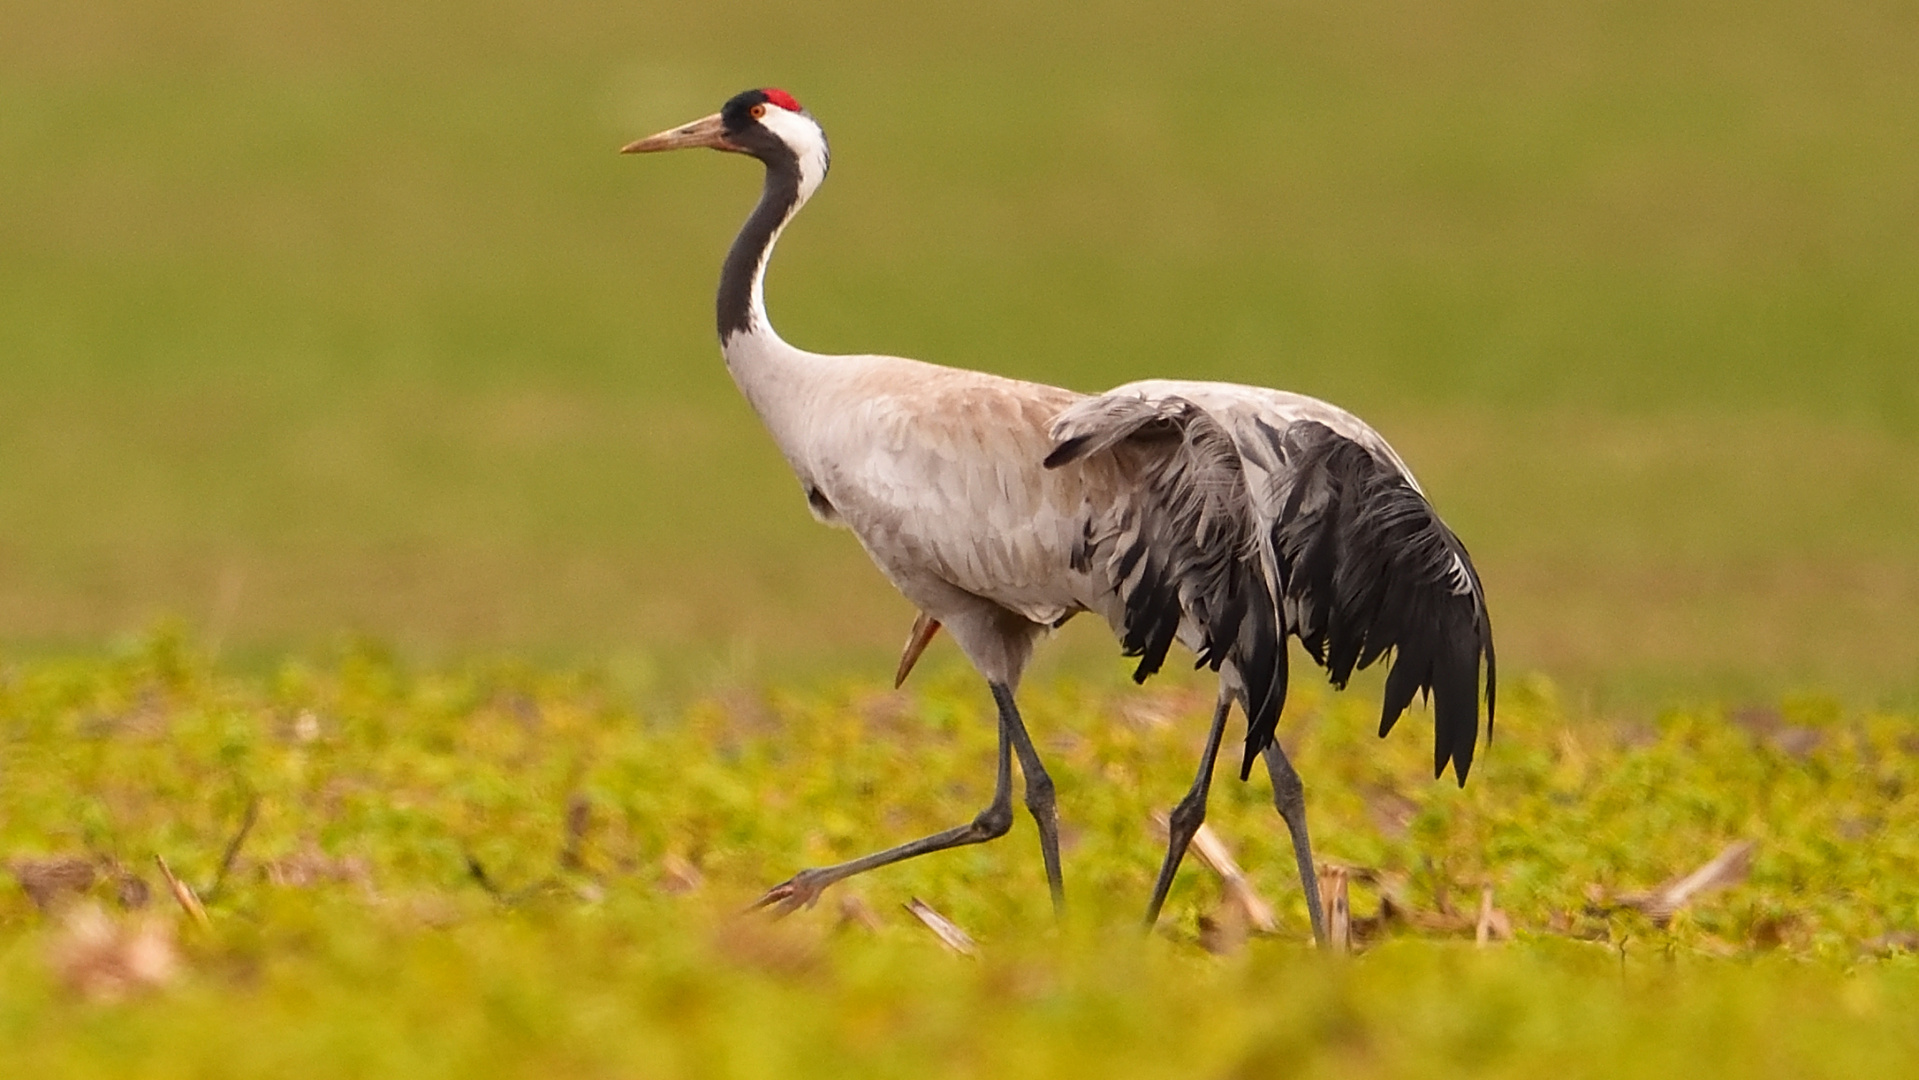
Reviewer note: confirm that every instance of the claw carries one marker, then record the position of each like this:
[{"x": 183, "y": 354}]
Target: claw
[{"x": 790, "y": 895}]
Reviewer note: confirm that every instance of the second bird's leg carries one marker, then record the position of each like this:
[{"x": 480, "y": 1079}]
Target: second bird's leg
[
  {"x": 1289, "y": 797},
  {"x": 1186, "y": 818},
  {"x": 803, "y": 888}
]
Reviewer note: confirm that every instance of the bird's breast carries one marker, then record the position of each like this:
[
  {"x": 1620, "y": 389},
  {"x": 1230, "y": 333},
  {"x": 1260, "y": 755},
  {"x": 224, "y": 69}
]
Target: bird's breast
[{"x": 941, "y": 480}]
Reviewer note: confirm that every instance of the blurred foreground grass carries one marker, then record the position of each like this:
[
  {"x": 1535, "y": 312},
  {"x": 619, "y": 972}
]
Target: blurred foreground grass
[{"x": 348, "y": 935}]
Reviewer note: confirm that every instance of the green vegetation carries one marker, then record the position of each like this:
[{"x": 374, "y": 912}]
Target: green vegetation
[
  {"x": 348, "y": 935},
  {"x": 343, "y": 321}
]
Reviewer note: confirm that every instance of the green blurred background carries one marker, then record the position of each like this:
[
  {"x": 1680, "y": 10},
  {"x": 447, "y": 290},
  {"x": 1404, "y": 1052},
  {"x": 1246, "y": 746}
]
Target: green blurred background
[{"x": 346, "y": 318}]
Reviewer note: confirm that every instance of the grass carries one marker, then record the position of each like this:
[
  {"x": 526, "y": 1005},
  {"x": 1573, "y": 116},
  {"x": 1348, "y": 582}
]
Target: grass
[{"x": 348, "y": 936}]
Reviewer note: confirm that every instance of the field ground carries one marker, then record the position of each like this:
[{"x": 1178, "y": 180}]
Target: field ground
[
  {"x": 337, "y": 344},
  {"x": 348, "y": 933}
]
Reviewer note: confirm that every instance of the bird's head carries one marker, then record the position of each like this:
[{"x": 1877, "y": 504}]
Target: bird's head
[{"x": 768, "y": 124}]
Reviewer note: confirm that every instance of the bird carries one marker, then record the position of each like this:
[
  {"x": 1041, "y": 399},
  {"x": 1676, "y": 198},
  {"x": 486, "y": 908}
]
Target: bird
[{"x": 1223, "y": 517}]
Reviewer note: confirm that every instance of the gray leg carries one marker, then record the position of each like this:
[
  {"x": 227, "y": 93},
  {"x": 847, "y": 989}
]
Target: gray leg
[
  {"x": 1289, "y": 797},
  {"x": 1039, "y": 792},
  {"x": 1187, "y": 817},
  {"x": 803, "y": 888}
]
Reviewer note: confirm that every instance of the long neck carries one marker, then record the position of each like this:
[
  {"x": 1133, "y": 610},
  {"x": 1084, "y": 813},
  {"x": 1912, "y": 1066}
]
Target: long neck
[
  {"x": 774, "y": 377},
  {"x": 742, "y": 305}
]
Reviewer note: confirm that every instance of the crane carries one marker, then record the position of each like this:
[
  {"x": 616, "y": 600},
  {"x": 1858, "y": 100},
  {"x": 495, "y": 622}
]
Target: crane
[{"x": 1221, "y": 516}]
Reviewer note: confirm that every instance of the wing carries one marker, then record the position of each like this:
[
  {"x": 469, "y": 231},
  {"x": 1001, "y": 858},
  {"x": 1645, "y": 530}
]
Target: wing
[
  {"x": 1181, "y": 545},
  {"x": 1360, "y": 563},
  {"x": 1367, "y": 568}
]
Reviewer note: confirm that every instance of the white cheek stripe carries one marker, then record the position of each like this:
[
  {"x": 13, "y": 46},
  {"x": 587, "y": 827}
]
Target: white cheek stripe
[{"x": 807, "y": 141}]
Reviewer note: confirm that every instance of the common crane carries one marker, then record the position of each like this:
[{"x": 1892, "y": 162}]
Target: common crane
[{"x": 1225, "y": 517}]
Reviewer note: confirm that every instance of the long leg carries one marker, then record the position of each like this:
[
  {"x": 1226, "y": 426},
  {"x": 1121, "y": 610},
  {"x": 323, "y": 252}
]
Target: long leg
[
  {"x": 1289, "y": 797},
  {"x": 1187, "y": 817},
  {"x": 803, "y": 888},
  {"x": 1039, "y": 791}
]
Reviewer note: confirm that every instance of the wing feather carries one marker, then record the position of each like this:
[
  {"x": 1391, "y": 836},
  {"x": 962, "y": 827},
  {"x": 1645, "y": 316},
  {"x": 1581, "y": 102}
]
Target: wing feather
[
  {"x": 1370, "y": 569},
  {"x": 1256, "y": 514},
  {"x": 1185, "y": 546}
]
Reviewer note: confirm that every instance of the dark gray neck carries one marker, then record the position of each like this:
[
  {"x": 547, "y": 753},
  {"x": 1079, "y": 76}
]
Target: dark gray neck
[{"x": 746, "y": 262}]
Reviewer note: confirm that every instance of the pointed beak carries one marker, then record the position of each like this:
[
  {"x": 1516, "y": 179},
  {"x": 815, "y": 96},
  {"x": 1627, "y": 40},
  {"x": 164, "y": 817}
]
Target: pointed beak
[{"x": 706, "y": 131}]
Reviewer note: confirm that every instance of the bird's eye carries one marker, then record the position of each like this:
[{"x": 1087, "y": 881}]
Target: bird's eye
[{"x": 757, "y": 111}]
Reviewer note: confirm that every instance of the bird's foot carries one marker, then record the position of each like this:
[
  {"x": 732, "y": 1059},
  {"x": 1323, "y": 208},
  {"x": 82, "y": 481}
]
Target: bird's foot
[{"x": 802, "y": 890}]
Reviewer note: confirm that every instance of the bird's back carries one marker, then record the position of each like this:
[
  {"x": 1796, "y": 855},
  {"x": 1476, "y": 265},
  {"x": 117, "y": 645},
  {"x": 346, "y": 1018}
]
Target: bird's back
[{"x": 1242, "y": 409}]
